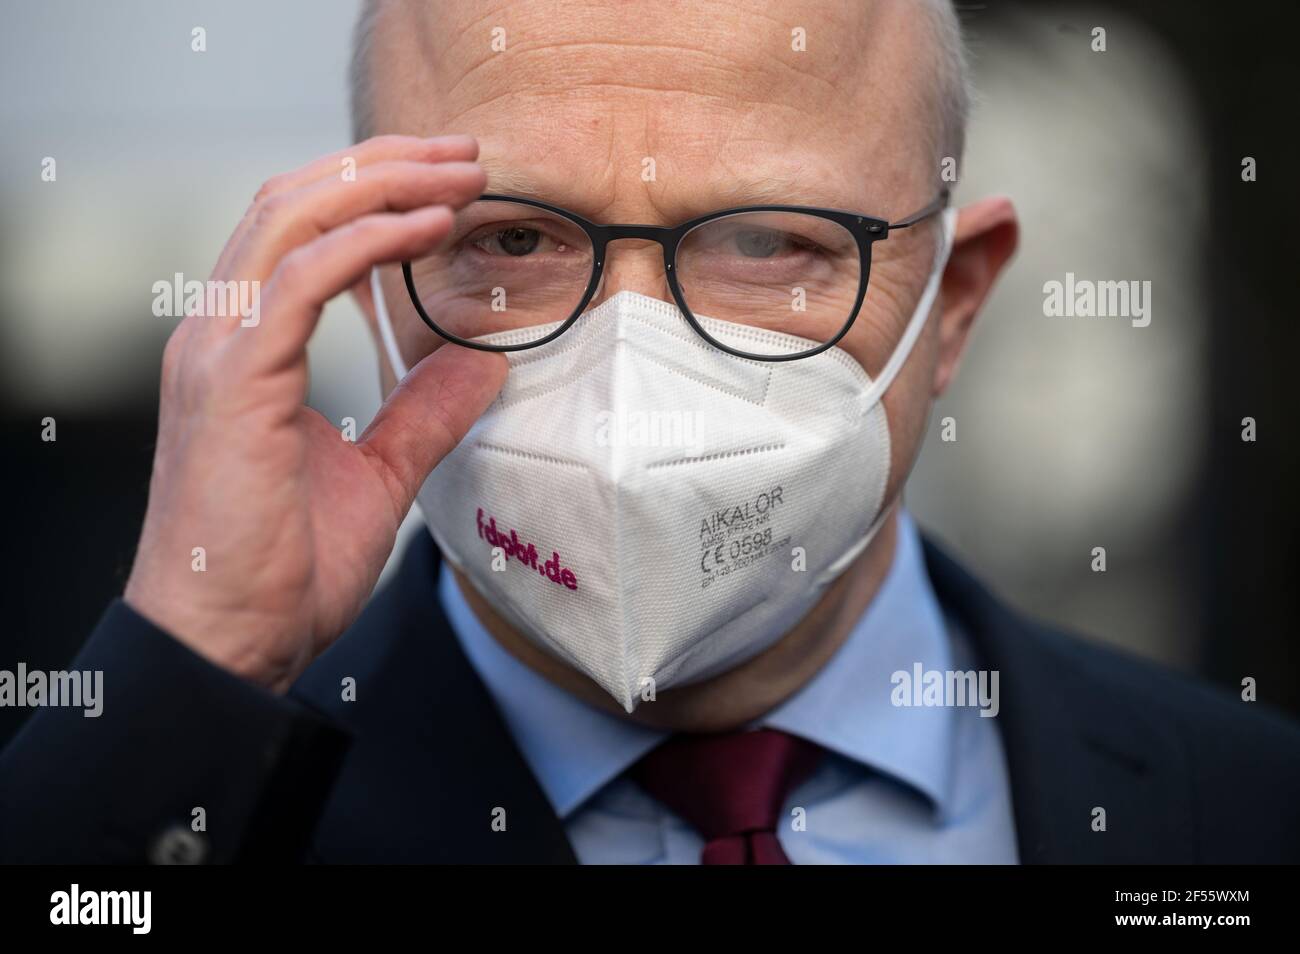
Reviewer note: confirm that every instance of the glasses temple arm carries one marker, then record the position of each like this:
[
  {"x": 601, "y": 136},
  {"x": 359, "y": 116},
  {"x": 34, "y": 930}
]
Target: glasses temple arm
[{"x": 933, "y": 208}]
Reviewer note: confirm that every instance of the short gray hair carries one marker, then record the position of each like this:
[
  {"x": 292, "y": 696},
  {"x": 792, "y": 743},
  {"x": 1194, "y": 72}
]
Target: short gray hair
[
  {"x": 954, "y": 82},
  {"x": 359, "y": 72},
  {"x": 953, "y": 91}
]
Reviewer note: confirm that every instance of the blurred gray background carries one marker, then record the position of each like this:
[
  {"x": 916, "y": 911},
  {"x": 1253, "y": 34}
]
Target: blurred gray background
[{"x": 1072, "y": 433}]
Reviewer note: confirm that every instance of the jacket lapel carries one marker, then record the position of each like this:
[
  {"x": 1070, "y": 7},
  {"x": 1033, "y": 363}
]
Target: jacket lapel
[
  {"x": 432, "y": 764},
  {"x": 1077, "y": 737}
]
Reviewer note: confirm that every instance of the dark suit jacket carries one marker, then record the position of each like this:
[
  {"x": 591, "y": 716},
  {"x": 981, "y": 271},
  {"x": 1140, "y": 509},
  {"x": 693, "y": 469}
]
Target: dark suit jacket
[{"x": 412, "y": 770}]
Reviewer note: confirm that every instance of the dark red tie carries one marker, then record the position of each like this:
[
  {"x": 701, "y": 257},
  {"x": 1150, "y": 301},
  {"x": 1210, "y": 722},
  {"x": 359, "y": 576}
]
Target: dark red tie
[{"x": 730, "y": 787}]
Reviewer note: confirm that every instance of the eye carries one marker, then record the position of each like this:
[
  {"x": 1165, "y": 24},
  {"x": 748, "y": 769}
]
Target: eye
[
  {"x": 520, "y": 239},
  {"x": 760, "y": 243},
  {"x": 515, "y": 240}
]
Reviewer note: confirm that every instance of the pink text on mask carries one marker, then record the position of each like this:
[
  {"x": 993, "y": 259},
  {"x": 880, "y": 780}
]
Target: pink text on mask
[{"x": 526, "y": 554}]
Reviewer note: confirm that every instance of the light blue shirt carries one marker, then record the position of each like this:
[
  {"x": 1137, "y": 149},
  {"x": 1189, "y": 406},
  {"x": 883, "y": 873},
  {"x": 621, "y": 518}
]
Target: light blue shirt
[{"x": 899, "y": 784}]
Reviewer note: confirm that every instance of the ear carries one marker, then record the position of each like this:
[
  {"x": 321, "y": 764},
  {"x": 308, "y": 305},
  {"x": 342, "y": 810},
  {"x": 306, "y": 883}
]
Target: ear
[{"x": 987, "y": 234}]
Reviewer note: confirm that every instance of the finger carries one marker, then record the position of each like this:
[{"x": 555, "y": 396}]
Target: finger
[
  {"x": 456, "y": 148},
  {"x": 312, "y": 274},
  {"x": 427, "y": 414},
  {"x": 297, "y": 217}
]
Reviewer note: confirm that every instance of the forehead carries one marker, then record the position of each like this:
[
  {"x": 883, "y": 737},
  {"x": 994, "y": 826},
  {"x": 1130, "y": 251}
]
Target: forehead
[{"x": 594, "y": 104}]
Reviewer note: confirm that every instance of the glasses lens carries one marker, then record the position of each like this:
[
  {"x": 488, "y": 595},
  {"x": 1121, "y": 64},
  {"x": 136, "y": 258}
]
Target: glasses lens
[
  {"x": 509, "y": 270},
  {"x": 781, "y": 271}
]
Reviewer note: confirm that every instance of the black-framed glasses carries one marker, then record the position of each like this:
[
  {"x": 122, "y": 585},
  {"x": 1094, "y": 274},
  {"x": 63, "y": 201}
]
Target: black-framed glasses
[{"x": 516, "y": 273}]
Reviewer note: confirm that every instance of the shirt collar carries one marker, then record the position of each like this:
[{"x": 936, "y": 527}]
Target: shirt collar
[
  {"x": 847, "y": 706},
  {"x": 575, "y": 750},
  {"x": 572, "y": 748}
]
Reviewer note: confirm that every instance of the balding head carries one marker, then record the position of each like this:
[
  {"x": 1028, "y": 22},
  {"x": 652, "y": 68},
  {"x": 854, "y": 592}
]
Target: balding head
[{"x": 949, "y": 79}]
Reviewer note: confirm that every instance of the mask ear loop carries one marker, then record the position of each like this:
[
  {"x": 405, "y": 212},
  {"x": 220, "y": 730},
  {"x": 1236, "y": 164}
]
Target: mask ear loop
[
  {"x": 386, "y": 327},
  {"x": 948, "y": 226}
]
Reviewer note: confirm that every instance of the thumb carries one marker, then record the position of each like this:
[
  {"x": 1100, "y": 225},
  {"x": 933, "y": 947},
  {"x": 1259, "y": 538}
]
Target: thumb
[{"x": 428, "y": 413}]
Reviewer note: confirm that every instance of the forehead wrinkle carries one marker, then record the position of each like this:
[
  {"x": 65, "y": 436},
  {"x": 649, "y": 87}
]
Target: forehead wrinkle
[
  {"x": 575, "y": 74},
  {"x": 453, "y": 45},
  {"x": 760, "y": 60},
  {"x": 441, "y": 30},
  {"x": 743, "y": 107}
]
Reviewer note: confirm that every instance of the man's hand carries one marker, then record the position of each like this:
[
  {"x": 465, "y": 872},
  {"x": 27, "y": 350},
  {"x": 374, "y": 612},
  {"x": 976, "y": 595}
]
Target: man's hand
[{"x": 295, "y": 522}]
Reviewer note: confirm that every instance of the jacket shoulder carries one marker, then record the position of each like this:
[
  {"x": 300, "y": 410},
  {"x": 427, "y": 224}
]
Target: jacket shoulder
[
  {"x": 1195, "y": 771},
  {"x": 1224, "y": 730}
]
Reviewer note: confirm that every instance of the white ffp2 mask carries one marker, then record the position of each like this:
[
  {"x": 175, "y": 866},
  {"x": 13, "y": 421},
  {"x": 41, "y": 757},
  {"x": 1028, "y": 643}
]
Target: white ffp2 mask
[{"x": 652, "y": 510}]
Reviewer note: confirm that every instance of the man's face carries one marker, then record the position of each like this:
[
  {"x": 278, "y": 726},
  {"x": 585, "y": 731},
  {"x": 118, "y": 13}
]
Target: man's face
[{"x": 722, "y": 102}]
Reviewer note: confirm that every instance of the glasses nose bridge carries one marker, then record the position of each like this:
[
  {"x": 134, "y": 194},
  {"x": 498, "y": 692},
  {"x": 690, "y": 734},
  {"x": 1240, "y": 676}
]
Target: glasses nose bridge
[
  {"x": 659, "y": 234},
  {"x": 605, "y": 234}
]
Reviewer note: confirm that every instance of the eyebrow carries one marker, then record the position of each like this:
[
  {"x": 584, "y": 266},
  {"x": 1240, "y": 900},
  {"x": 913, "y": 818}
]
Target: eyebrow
[
  {"x": 511, "y": 181},
  {"x": 779, "y": 186}
]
